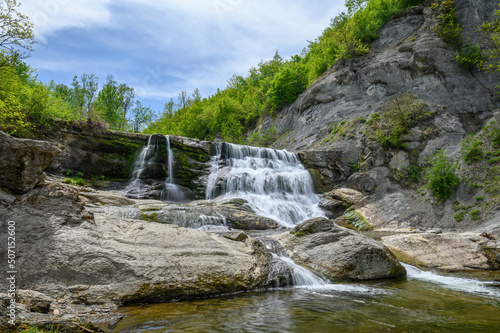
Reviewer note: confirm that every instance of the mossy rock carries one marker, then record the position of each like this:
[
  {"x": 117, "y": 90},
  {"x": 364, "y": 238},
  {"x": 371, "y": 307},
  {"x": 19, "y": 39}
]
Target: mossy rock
[{"x": 357, "y": 220}]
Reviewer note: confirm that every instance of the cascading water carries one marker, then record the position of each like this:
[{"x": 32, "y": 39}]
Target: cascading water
[
  {"x": 274, "y": 182},
  {"x": 136, "y": 188},
  {"x": 172, "y": 192},
  {"x": 450, "y": 282}
]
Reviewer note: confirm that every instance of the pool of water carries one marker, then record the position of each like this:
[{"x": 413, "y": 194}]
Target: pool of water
[{"x": 424, "y": 302}]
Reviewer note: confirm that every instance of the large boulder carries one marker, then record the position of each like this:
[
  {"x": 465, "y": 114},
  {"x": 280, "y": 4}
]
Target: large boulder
[
  {"x": 447, "y": 251},
  {"x": 22, "y": 162},
  {"x": 339, "y": 253},
  {"x": 66, "y": 252}
]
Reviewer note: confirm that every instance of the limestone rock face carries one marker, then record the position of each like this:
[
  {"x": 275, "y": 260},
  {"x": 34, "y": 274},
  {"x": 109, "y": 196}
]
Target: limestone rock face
[
  {"x": 446, "y": 251},
  {"x": 339, "y": 253},
  {"x": 22, "y": 162},
  {"x": 67, "y": 253}
]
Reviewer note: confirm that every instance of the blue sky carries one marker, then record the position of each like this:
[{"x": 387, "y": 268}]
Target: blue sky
[{"x": 162, "y": 47}]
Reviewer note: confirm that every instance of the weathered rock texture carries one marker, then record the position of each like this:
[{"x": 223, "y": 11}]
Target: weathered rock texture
[
  {"x": 64, "y": 251},
  {"x": 408, "y": 57},
  {"x": 97, "y": 153},
  {"x": 339, "y": 253},
  {"x": 22, "y": 162},
  {"x": 447, "y": 251}
]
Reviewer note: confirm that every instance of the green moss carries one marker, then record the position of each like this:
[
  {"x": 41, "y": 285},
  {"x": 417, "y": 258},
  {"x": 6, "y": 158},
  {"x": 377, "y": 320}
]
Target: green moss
[
  {"x": 303, "y": 232},
  {"x": 357, "y": 220},
  {"x": 150, "y": 217}
]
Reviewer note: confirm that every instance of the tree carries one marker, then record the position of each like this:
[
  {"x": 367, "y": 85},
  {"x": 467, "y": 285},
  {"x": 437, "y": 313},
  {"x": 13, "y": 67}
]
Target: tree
[
  {"x": 141, "y": 116},
  {"x": 168, "y": 109},
  {"x": 16, "y": 31},
  {"x": 90, "y": 86},
  {"x": 108, "y": 103},
  {"x": 127, "y": 95}
]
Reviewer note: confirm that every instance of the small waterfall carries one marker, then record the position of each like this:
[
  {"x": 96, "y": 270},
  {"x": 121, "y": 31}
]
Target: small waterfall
[
  {"x": 454, "y": 283},
  {"x": 273, "y": 181},
  {"x": 286, "y": 272},
  {"x": 137, "y": 188},
  {"x": 172, "y": 192}
]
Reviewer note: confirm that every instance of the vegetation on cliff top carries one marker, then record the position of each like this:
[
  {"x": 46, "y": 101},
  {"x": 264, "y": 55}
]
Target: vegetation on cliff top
[
  {"x": 28, "y": 106},
  {"x": 273, "y": 84}
]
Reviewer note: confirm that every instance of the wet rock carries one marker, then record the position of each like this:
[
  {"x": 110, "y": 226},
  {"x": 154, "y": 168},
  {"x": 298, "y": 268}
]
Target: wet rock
[
  {"x": 339, "y": 253},
  {"x": 240, "y": 217},
  {"x": 445, "y": 251},
  {"x": 22, "y": 162}
]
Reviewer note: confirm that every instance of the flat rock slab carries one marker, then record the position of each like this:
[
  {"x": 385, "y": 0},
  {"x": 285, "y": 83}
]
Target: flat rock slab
[{"x": 446, "y": 251}]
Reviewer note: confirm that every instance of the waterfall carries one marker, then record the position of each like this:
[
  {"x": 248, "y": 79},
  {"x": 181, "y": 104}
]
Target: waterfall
[
  {"x": 172, "y": 192},
  {"x": 286, "y": 270},
  {"x": 136, "y": 187},
  {"x": 273, "y": 181},
  {"x": 450, "y": 282}
]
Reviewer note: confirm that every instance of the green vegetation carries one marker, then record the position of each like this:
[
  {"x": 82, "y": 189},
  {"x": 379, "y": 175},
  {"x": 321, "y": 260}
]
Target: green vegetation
[
  {"x": 441, "y": 176},
  {"x": 396, "y": 117},
  {"x": 490, "y": 32},
  {"x": 276, "y": 83},
  {"x": 472, "y": 149},
  {"x": 447, "y": 26},
  {"x": 76, "y": 181},
  {"x": 475, "y": 214},
  {"x": 459, "y": 216}
]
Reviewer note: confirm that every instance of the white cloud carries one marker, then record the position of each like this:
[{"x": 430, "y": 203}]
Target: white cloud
[
  {"x": 161, "y": 47},
  {"x": 51, "y": 16}
]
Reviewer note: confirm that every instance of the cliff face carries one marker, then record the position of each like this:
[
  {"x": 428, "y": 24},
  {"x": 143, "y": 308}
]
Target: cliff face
[{"x": 408, "y": 57}]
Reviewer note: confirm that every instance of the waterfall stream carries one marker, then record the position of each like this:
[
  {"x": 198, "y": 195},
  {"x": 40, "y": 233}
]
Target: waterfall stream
[
  {"x": 172, "y": 192},
  {"x": 274, "y": 182},
  {"x": 136, "y": 188}
]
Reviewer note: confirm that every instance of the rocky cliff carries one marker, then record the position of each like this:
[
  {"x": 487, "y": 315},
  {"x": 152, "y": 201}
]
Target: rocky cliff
[{"x": 329, "y": 125}]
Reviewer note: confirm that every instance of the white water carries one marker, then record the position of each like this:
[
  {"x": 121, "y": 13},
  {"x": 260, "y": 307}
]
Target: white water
[
  {"x": 273, "y": 181},
  {"x": 172, "y": 192},
  {"x": 136, "y": 188},
  {"x": 454, "y": 283}
]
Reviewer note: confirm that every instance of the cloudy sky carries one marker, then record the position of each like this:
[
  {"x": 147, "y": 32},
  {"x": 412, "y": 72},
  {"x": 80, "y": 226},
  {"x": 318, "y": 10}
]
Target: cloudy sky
[{"x": 160, "y": 47}]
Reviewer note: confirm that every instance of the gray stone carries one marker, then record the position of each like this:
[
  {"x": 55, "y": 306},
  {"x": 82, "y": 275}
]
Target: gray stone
[
  {"x": 361, "y": 181},
  {"x": 445, "y": 251},
  {"x": 339, "y": 253},
  {"x": 62, "y": 245},
  {"x": 399, "y": 160},
  {"x": 348, "y": 195},
  {"x": 22, "y": 162},
  {"x": 332, "y": 208}
]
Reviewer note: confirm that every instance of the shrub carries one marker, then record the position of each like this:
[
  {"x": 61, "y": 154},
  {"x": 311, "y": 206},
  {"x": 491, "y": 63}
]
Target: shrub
[
  {"x": 441, "y": 177},
  {"x": 475, "y": 214},
  {"x": 397, "y": 116},
  {"x": 472, "y": 149},
  {"x": 469, "y": 56},
  {"x": 459, "y": 216},
  {"x": 447, "y": 26}
]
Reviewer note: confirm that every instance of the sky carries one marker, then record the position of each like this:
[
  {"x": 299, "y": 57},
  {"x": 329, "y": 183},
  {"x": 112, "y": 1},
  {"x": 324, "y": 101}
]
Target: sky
[{"x": 163, "y": 47}]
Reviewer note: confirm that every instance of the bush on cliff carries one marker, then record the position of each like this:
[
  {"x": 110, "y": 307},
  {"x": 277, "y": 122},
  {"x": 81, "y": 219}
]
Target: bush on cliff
[{"x": 441, "y": 176}]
